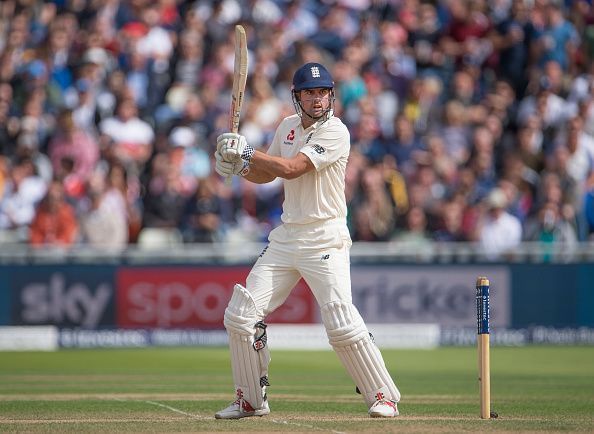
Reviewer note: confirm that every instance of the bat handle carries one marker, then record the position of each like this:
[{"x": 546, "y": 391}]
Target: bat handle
[{"x": 234, "y": 129}]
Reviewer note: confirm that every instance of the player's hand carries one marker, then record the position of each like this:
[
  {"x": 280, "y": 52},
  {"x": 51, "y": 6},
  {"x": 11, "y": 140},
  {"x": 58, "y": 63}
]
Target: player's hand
[
  {"x": 233, "y": 147},
  {"x": 227, "y": 168}
]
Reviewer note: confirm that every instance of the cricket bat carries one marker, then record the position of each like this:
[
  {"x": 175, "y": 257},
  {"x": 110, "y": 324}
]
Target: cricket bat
[{"x": 240, "y": 70}]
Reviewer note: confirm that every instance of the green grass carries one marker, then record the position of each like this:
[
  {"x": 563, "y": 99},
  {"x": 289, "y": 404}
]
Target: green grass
[{"x": 178, "y": 390}]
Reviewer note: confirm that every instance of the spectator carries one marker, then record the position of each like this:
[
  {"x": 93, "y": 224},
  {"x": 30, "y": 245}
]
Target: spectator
[
  {"x": 138, "y": 79},
  {"x": 164, "y": 199},
  {"x": 190, "y": 60},
  {"x": 499, "y": 231},
  {"x": 380, "y": 96},
  {"x": 465, "y": 90},
  {"x": 188, "y": 157},
  {"x": 55, "y": 222},
  {"x": 123, "y": 197},
  {"x": 558, "y": 39},
  {"x": 298, "y": 23},
  {"x": 28, "y": 148},
  {"x": 443, "y": 164},
  {"x": 548, "y": 226},
  {"x": 262, "y": 113},
  {"x": 8, "y": 124},
  {"x": 465, "y": 36},
  {"x": 519, "y": 198},
  {"x": 424, "y": 39},
  {"x": 374, "y": 215},
  {"x": 406, "y": 144},
  {"x": 201, "y": 217},
  {"x": 581, "y": 150},
  {"x": 450, "y": 228},
  {"x": 427, "y": 191},
  {"x": 396, "y": 184},
  {"x": 74, "y": 146},
  {"x": 367, "y": 138},
  {"x": 109, "y": 222},
  {"x": 193, "y": 114},
  {"x": 546, "y": 105},
  {"x": 455, "y": 132},
  {"x": 23, "y": 189},
  {"x": 415, "y": 231},
  {"x": 104, "y": 226},
  {"x": 421, "y": 103},
  {"x": 482, "y": 161},
  {"x": 529, "y": 145},
  {"x": 125, "y": 138},
  {"x": 511, "y": 38}
]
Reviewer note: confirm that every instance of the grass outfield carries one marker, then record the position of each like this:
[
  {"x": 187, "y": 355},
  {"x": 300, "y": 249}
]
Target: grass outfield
[{"x": 178, "y": 390}]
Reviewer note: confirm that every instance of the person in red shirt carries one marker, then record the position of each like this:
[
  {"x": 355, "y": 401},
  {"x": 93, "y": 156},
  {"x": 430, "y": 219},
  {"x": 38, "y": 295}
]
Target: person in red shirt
[{"x": 55, "y": 221}]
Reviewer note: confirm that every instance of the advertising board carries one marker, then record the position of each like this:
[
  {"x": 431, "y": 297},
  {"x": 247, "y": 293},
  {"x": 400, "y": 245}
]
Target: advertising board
[
  {"x": 443, "y": 295},
  {"x": 193, "y": 297},
  {"x": 64, "y": 296}
]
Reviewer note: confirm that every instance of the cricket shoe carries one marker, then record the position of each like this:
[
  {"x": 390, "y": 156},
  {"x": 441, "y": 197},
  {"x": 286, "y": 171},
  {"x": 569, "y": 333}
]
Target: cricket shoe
[
  {"x": 241, "y": 408},
  {"x": 383, "y": 408}
]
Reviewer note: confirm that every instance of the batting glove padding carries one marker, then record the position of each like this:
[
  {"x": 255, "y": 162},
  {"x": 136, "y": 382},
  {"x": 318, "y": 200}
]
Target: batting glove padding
[
  {"x": 226, "y": 168},
  {"x": 234, "y": 147}
]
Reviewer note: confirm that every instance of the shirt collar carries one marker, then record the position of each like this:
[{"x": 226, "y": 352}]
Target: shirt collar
[{"x": 317, "y": 124}]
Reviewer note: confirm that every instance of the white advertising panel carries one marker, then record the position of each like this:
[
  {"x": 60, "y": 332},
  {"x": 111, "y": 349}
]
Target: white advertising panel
[
  {"x": 313, "y": 336},
  {"x": 29, "y": 338}
]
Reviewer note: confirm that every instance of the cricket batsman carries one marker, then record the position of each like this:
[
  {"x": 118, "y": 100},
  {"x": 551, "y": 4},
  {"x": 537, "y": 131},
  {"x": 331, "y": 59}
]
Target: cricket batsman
[{"x": 309, "y": 151}]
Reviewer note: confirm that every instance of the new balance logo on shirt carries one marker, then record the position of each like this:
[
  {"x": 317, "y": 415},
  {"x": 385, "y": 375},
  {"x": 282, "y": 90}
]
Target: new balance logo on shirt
[{"x": 320, "y": 150}]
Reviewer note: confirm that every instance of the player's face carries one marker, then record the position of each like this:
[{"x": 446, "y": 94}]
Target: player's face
[{"x": 315, "y": 101}]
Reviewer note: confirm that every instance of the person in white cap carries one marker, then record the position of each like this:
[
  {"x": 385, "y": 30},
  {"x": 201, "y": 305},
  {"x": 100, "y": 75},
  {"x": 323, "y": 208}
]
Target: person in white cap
[
  {"x": 309, "y": 151},
  {"x": 500, "y": 231}
]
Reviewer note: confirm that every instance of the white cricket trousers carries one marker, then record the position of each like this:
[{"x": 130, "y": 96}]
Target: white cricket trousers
[{"x": 319, "y": 252}]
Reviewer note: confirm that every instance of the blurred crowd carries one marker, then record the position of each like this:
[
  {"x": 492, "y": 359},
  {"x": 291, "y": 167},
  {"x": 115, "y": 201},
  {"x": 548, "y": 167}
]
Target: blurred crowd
[{"x": 470, "y": 120}]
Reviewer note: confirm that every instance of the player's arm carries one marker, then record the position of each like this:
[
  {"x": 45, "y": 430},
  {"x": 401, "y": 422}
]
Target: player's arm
[
  {"x": 239, "y": 158},
  {"x": 265, "y": 168}
]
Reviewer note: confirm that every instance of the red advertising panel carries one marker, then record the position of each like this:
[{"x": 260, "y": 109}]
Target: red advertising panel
[{"x": 191, "y": 297}]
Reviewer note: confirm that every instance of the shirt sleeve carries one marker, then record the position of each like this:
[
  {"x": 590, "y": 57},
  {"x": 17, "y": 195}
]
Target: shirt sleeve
[
  {"x": 327, "y": 145},
  {"x": 275, "y": 149}
]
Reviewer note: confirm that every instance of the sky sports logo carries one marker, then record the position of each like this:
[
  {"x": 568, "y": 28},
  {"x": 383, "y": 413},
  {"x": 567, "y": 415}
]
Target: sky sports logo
[
  {"x": 184, "y": 297},
  {"x": 61, "y": 299}
]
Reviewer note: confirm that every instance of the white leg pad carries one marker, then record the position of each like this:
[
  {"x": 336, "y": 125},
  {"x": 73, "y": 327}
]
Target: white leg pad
[
  {"x": 358, "y": 353},
  {"x": 247, "y": 343}
]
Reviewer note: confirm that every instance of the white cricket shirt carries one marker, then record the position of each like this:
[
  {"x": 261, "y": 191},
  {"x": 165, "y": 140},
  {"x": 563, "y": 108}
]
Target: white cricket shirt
[{"x": 318, "y": 194}]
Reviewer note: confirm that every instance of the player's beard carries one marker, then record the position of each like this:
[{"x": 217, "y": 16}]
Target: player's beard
[{"x": 316, "y": 113}]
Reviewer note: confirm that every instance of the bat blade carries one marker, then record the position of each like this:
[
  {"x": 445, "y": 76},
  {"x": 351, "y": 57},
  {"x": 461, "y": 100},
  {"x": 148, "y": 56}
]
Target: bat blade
[{"x": 240, "y": 71}]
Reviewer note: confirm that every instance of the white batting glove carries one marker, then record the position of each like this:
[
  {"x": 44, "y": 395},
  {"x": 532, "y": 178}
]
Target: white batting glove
[
  {"x": 234, "y": 147},
  {"x": 227, "y": 169}
]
